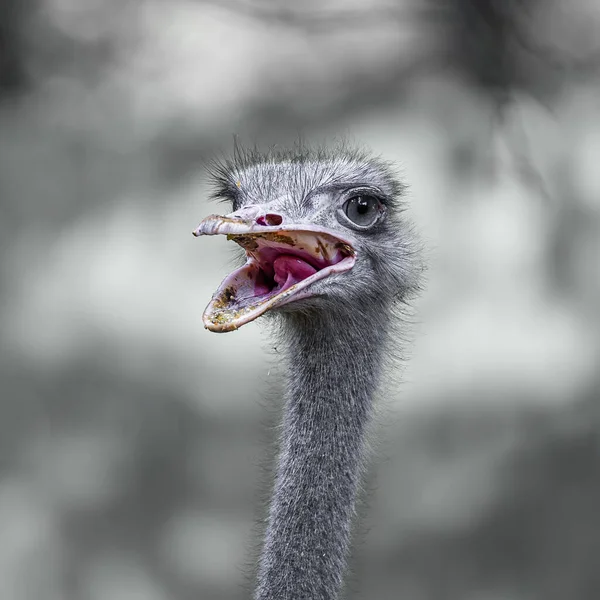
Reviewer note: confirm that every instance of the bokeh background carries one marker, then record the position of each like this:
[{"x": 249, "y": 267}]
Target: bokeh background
[{"x": 131, "y": 440}]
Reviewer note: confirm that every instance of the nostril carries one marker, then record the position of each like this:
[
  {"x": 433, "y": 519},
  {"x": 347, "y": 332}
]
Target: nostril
[
  {"x": 273, "y": 219},
  {"x": 270, "y": 219}
]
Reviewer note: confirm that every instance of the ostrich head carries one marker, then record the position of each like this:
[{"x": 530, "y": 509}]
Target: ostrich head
[{"x": 320, "y": 229}]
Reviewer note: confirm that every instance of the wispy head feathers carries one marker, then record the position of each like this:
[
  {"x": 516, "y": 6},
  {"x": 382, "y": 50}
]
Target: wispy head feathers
[{"x": 299, "y": 169}]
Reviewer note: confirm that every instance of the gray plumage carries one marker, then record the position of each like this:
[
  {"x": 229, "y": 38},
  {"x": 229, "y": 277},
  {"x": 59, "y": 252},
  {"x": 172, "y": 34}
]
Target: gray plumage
[{"x": 336, "y": 344}]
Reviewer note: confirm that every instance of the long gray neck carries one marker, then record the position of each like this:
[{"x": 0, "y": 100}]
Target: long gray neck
[{"x": 333, "y": 370}]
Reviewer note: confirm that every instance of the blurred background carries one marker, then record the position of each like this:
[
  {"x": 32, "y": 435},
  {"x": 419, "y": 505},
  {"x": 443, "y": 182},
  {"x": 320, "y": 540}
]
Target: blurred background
[{"x": 130, "y": 455}]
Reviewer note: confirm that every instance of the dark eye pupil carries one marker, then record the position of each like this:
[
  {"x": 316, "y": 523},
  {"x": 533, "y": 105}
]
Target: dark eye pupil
[{"x": 362, "y": 205}]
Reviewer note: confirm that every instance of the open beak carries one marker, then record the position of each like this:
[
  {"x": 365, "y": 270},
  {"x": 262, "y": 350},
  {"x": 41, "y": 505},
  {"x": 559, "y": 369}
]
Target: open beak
[{"x": 282, "y": 261}]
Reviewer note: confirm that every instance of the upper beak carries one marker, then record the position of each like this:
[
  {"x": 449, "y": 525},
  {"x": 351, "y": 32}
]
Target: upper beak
[{"x": 246, "y": 220}]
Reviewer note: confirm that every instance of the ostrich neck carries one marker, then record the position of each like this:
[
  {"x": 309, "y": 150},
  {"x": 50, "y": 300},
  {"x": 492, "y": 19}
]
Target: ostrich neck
[{"x": 333, "y": 367}]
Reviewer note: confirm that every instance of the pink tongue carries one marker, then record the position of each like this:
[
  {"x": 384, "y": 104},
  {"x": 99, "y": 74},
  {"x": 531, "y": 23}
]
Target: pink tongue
[{"x": 290, "y": 270}]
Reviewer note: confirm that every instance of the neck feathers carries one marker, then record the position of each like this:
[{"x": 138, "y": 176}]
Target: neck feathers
[{"x": 333, "y": 370}]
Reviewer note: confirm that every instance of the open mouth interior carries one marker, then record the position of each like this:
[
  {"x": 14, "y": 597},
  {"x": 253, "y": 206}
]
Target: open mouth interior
[{"x": 279, "y": 265}]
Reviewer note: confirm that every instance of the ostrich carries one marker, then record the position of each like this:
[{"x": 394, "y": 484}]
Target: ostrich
[{"x": 329, "y": 256}]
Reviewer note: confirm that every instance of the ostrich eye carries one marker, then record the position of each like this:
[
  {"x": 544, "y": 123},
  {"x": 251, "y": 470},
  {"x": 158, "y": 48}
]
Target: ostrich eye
[{"x": 362, "y": 210}]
